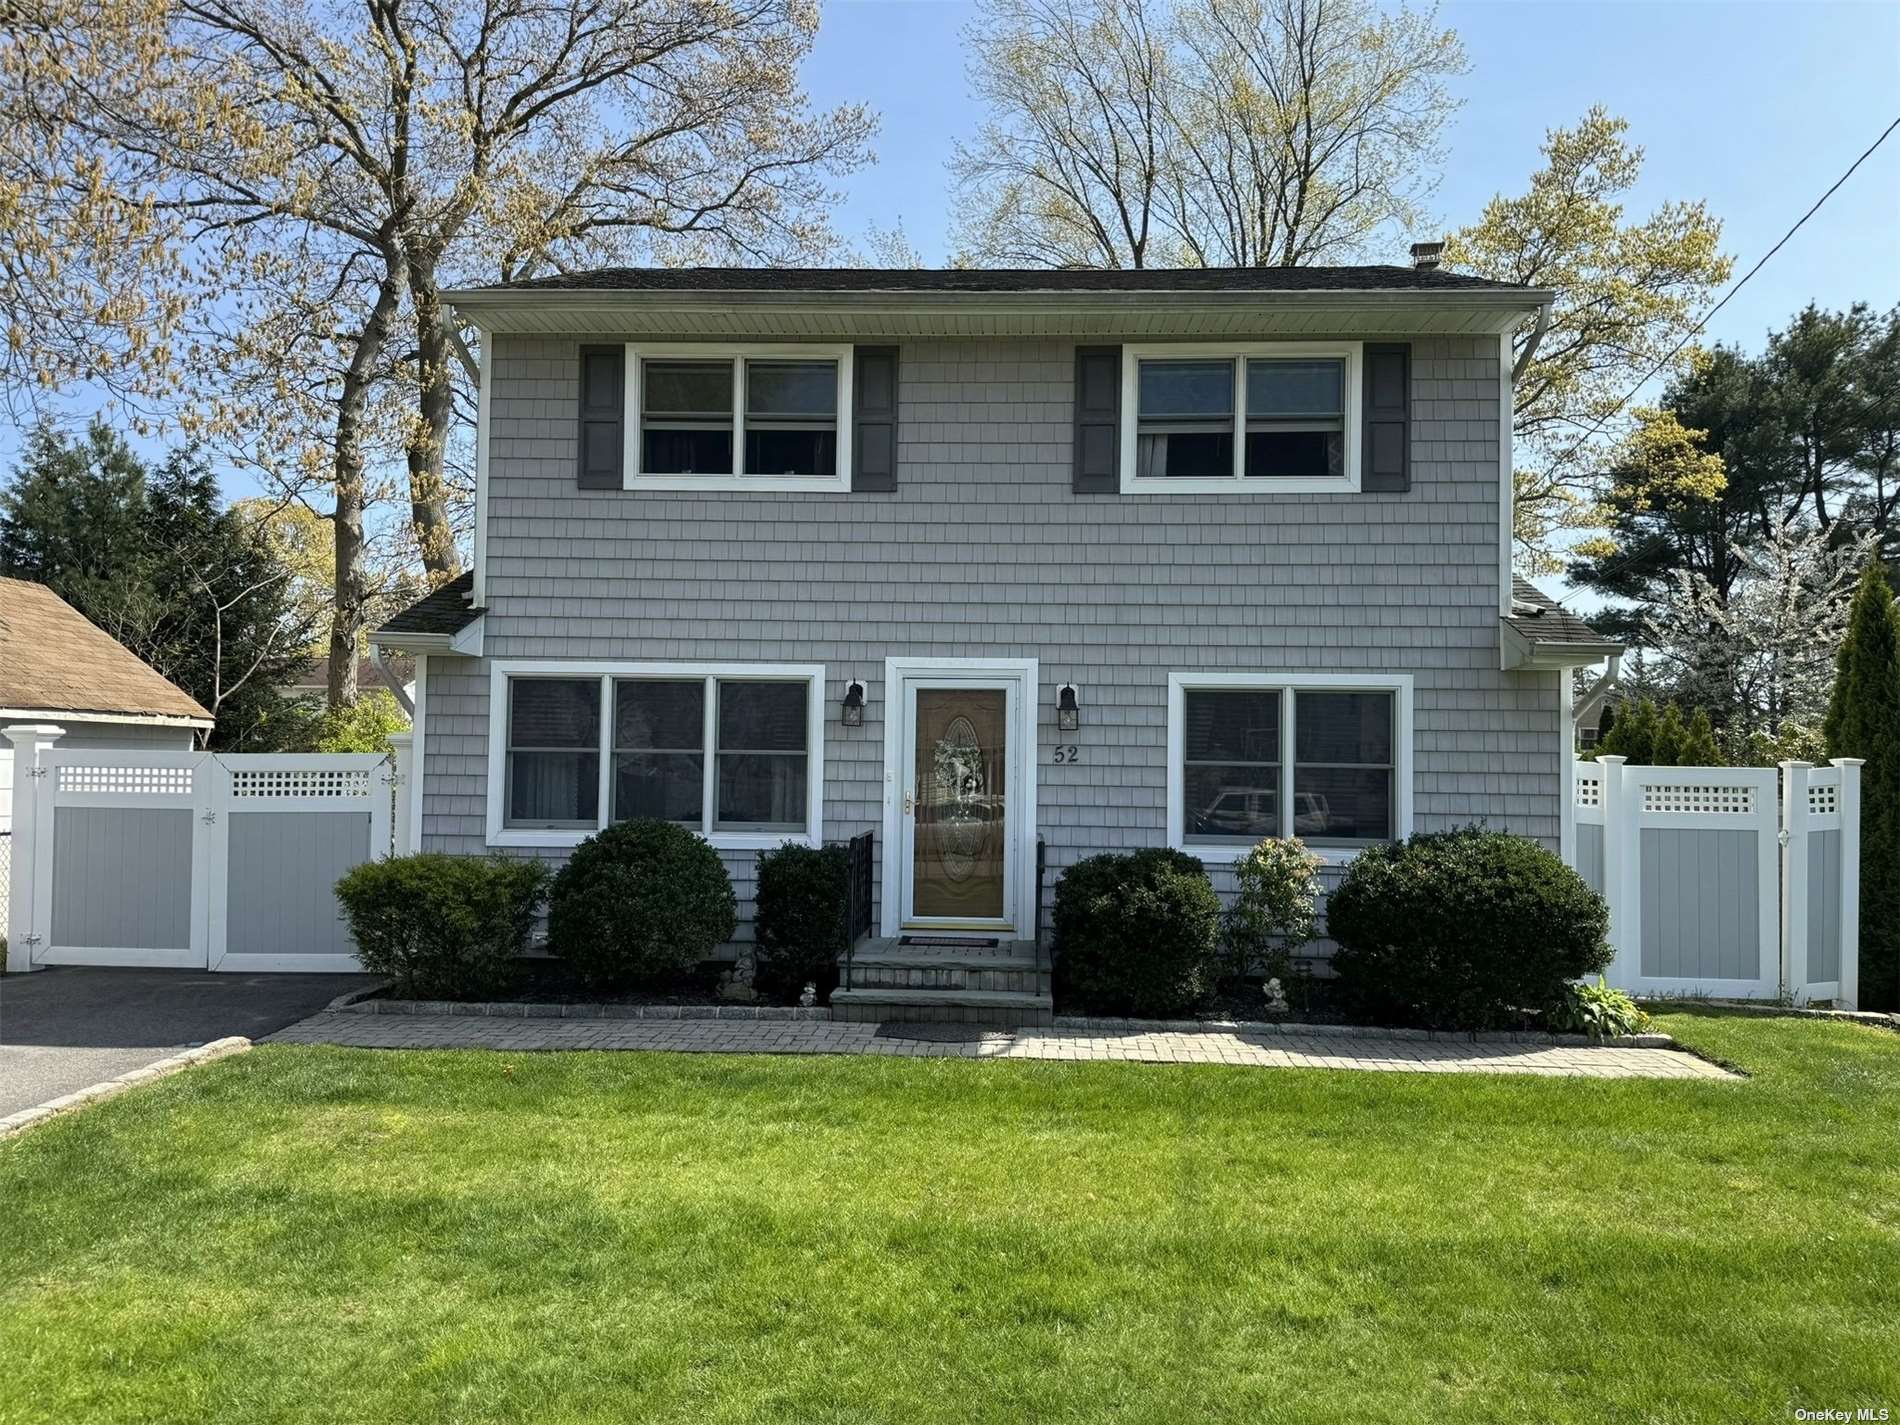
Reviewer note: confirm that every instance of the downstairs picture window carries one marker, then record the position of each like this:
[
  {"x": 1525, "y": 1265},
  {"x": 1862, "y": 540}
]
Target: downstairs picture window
[
  {"x": 725, "y": 754},
  {"x": 1276, "y": 759}
]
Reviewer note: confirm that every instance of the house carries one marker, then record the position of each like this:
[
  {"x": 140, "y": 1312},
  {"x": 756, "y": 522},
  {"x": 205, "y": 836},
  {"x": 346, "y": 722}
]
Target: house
[
  {"x": 57, "y": 667},
  {"x": 311, "y": 686},
  {"x": 976, "y": 560}
]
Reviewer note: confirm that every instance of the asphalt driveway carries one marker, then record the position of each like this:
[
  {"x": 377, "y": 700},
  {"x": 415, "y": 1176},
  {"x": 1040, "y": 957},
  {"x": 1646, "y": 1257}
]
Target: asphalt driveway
[{"x": 63, "y": 1029}]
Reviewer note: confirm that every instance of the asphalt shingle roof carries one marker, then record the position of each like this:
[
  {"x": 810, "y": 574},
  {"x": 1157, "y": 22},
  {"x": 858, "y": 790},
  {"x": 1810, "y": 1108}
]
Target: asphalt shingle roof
[
  {"x": 54, "y": 660},
  {"x": 999, "y": 280},
  {"x": 1541, "y": 619},
  {"x": 445, "y": 610}
]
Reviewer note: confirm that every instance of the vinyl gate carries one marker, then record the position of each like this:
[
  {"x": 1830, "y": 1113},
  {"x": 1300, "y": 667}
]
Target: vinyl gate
[
  {"x": 1727, "y": 882},
  {"x": 193, "y": 860}
]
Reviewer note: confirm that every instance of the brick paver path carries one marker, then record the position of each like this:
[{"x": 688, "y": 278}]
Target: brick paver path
[{"x": 1271, "y": 1050}]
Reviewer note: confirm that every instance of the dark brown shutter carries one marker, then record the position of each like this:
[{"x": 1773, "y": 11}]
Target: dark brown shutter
[
  {"x": 1385, "y": 463},
  {"x": 603, "y": 418},
  {"x": 1098, "y": 420},
  {"x": 874, "y": 419}
]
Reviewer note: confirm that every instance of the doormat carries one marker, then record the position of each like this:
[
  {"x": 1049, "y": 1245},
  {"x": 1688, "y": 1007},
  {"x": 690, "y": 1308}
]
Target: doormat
[
  {"x": 949, "y": 942},
  {"x": 940, "y": 1033}
]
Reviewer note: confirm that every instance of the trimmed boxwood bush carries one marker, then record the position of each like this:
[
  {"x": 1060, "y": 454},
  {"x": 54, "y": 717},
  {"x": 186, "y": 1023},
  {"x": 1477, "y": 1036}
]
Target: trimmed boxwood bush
[
  {"x": 1135, "y": 932},
  {"x": 1465, "y": 929},
  {"x": 442, "y": 927},
  {"x": 798, "y": 921},
  {"x": 639, "y": 904}
]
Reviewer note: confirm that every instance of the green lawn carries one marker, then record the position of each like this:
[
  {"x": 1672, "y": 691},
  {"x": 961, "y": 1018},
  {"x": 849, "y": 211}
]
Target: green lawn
[{"x": 340, "y": 1235}]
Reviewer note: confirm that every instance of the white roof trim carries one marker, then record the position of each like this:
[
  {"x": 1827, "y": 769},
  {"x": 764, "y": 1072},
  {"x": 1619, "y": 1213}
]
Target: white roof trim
[{"x": 132, "y": 718}]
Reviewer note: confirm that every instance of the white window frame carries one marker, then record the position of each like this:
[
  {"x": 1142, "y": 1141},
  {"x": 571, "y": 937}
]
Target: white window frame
[
  {"x": 636, "y": 478},
  {"x": 1288, "y": 684},
  {"x": 812, "y": 674},
  {"x": 1351, "y": 352}
]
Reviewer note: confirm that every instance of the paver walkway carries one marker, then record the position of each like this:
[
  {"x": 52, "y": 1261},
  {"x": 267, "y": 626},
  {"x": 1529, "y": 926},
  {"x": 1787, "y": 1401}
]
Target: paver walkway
[{"x": 1263, "y": 1049}]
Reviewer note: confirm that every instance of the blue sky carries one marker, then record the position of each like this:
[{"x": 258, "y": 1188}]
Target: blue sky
[{"x": 1755, "y": 108}]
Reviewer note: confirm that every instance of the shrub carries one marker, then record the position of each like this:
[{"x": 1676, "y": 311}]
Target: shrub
[
  {"x": 1863, "y": 720},
  {"x": 1461, "y": 930},
  {"x": 442, "y": 927},
  {"x": 1135, "y": 932},
  {"x": 1273, "y": 915},
  {"x": 798, "y": 920},
  {"x": 1595, "y": 1009},
  {"x": 639, "y": 904}
]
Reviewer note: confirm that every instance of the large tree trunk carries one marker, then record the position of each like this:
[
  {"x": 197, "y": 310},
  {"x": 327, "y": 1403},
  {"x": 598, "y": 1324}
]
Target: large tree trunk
[
  {"x": 428, "y": 490},
  {"x": 346, "y": 621}
]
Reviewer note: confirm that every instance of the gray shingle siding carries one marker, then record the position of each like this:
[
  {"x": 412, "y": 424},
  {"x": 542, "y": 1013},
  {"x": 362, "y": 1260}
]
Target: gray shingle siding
[{"x": 984, "y": 551}]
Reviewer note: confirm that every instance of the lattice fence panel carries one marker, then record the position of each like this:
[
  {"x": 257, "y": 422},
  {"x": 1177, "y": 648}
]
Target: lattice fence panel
[
  {"x": 1698, "y": 799},
  {"x": 157, "y": 781},
  {"x": 309, "y": 783}
]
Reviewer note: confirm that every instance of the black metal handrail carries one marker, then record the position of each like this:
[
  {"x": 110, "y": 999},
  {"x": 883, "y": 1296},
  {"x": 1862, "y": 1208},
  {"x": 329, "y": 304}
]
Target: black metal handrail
[
  {"x": 857, "y": 897},
  {"x": 1035, "y": 926}
]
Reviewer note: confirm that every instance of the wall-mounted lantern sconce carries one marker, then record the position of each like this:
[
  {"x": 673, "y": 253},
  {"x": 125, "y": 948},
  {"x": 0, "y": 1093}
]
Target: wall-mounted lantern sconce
[
  {"x": 1068, "y": 711},
  {"x": 854, "y": 705}
]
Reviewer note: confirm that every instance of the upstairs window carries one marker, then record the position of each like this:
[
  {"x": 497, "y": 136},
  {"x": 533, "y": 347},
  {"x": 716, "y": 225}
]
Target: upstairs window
[
  {"x": 1225, "y": 420},
  {"x": 754, "y": 418}
]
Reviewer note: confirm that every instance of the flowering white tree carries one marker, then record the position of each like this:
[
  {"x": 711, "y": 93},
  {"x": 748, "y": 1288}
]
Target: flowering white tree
[{"x": 1765, "y": 656}]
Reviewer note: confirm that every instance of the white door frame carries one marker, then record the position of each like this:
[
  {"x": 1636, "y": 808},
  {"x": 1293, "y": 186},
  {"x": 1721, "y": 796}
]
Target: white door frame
[{"x": 902, "y": 676}]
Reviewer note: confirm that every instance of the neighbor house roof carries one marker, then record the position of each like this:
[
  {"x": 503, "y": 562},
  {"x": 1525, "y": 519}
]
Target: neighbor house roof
[
  {"x": 1544, "y": 623},
  {"x": 54, "y": 661},
  {"x": 1000, "y": 280},
  {"x": 443, "y": 612}
]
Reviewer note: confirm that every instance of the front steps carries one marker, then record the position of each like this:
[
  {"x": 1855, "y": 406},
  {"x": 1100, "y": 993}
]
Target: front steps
[{"x": 1003, "y": 984}]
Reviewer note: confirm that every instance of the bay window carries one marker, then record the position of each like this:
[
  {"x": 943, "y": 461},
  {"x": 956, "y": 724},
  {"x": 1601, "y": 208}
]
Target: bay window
[
  {"x": 732, "y": 751},
  {"x": 1322, "y": 757}
]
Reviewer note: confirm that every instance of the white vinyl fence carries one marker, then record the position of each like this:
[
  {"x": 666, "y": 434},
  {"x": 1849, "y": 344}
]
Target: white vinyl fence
[
  {"x": 1729, "y": 882},
  {"x": 191, "y": 860}
]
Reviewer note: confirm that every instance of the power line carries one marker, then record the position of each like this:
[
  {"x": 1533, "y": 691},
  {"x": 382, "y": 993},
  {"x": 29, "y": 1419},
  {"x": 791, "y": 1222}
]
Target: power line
[{"x": 1709, "y": 315}]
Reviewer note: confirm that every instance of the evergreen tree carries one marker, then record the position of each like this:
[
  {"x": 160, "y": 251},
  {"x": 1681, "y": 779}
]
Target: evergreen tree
[
  {"x": 1633, "y": 736},
  {"x": 1698, "y": 747},
  {"x": 151, "y": 557},
  {"x": 1666, "y": 750},
  {"x": 1605, "y": 721},
  {"x": 1863, "y": 720}
]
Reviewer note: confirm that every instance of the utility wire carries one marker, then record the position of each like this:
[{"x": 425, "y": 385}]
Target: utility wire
[{"x": 1709, "y": 315}]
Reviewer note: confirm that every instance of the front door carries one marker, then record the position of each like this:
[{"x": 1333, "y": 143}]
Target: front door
[{"x": 959, "y": 787}]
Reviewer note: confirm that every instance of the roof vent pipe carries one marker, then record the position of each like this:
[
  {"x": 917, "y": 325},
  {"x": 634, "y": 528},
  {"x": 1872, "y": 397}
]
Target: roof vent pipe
[{"x": 1425, "y": 255}]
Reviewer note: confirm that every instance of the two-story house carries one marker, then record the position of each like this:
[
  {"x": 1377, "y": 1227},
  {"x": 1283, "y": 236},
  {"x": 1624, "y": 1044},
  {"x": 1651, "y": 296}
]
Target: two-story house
[{"x": 970, "y": 559}]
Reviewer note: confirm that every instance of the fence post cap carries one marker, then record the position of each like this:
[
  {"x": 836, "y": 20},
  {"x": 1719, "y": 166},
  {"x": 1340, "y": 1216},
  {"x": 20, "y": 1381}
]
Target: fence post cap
[
  {"x": 1793, "y": 762},
  {"x": 1848, "y": 761},
  {"x": 402, "y": 739},
  {"x": 22, "y": 733},
  {"x": 1612, "y": 759}
]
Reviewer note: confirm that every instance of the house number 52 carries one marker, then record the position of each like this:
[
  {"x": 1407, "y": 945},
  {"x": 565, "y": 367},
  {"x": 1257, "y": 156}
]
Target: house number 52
[{"x": 1068, "y": 753}]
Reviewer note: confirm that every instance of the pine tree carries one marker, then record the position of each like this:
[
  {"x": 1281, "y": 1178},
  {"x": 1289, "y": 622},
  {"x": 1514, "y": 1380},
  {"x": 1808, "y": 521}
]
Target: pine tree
[
  {"x": 1633, "y": 736},
  {"x": 1698, "y": 743},
  {"x": 1863, "y": 720},
  {"x": 1666, "y": 750}
]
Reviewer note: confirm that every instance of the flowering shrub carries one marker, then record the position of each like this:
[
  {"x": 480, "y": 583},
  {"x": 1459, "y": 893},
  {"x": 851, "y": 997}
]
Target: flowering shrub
[{"x": 1274, "y": 914}]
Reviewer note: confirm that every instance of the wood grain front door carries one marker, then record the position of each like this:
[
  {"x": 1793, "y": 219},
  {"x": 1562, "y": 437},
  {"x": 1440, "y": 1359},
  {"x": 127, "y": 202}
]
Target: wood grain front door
[{"x": 960, "y": 840}]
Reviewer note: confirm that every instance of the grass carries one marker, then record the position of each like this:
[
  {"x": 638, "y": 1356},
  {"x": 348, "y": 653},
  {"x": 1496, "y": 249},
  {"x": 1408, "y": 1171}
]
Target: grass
[{"x": 337, "y": 1235}]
